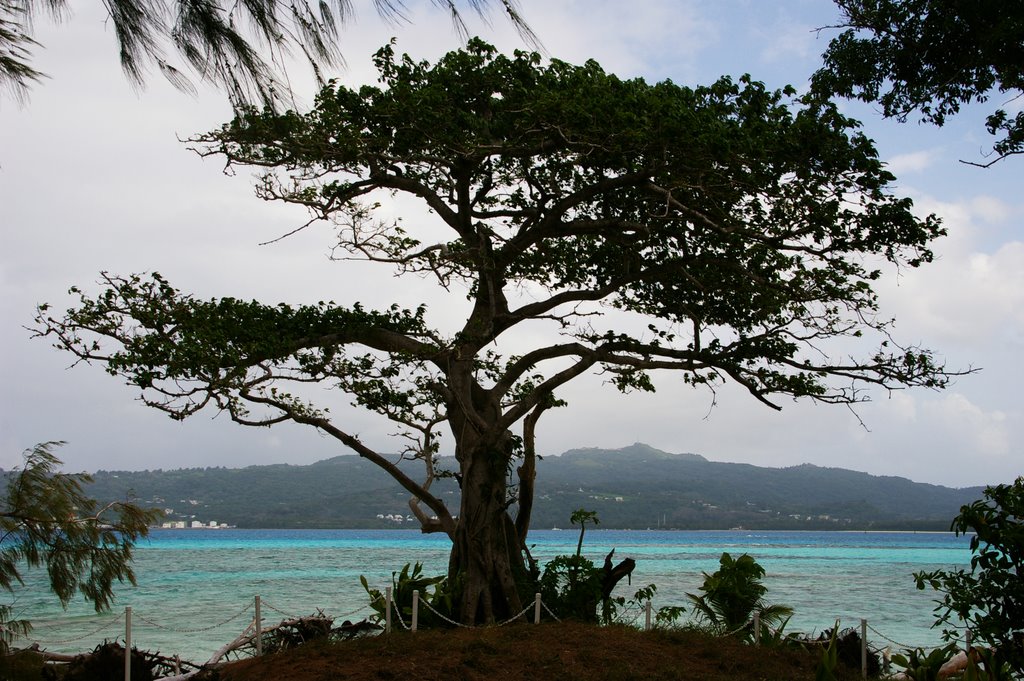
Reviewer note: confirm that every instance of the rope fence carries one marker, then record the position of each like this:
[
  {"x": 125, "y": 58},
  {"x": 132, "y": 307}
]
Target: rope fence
[{"x": 253, "y": 631}]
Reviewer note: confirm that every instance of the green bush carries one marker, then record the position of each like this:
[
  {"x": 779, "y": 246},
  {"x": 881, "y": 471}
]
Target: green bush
[
  {"x": 731, "y": 596},
  {"x": 432, "y": 590},
  {"x": 989, "y": 599}
]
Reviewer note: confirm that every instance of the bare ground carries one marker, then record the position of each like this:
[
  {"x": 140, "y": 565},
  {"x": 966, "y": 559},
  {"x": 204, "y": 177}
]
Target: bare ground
[{"x": 562, "y": 652}]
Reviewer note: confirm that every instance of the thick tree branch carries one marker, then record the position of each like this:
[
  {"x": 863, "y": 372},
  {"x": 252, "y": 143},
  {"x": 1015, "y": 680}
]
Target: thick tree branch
[
  {"x": 353, "y": 443},
  {"x": 527, "y": 471}
]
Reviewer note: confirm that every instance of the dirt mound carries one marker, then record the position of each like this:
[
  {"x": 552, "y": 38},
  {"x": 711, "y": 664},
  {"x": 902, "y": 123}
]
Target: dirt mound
[{"x": 564, "y": 651}]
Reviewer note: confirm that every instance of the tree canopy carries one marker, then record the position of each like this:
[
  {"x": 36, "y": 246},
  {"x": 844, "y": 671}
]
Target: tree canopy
[
  {"x": 931, "y": 57},
  {"x": 47, "y": 520},
  {"x": 238, "y": 46},
  {"x": 989, "y": 598},
  {"x": 718, "y": 233}
]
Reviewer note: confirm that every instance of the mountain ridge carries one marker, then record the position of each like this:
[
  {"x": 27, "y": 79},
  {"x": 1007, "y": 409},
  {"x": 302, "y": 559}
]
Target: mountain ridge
[{"x": 636, "y": 486}]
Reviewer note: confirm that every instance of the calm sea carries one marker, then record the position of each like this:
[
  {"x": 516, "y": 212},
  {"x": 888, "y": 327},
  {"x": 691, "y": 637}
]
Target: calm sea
[{"x": 193, "y": 585}]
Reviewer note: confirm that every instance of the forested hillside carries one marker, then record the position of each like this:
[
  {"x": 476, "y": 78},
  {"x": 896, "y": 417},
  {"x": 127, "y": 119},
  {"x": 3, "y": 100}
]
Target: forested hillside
[{"x": 634, "y": 487}]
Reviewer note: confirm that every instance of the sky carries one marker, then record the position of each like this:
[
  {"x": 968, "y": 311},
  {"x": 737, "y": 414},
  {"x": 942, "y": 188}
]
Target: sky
[{"x": 94, "y": 177}]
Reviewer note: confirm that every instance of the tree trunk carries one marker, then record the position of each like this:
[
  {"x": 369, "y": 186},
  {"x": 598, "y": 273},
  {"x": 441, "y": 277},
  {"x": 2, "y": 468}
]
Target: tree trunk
[{"x": 487, "y": 566}]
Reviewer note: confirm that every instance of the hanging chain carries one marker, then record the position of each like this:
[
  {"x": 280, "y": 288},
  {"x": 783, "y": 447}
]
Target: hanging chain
[
  {"x": 106, "y": 625},
  {"x": 191, "y": 631},
  {"x": 895, "y": 643},
  {"x": 398, "y": 611},
  {"x": 549, "y": 611}
]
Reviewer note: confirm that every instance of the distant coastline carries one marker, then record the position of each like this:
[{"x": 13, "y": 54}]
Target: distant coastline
[{"x": 636, "y": 487}]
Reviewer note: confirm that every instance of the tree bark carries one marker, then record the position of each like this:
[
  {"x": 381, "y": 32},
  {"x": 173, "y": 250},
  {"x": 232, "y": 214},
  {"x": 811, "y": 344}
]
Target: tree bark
[
  {"x": 486, "y": 566},
  {"x": 613, "y": 575}
]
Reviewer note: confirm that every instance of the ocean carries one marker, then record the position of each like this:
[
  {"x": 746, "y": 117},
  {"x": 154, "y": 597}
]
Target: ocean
[{"x": 196, "y": 587}]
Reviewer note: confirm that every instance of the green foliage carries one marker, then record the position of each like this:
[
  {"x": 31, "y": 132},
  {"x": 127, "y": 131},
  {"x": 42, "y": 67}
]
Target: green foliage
[
  {"x": 574, "y": 588},
  {"x": 989, "y": 599},
  {"x": 931, "y": 57},
  {"x": 773, "y": 634},
  {"x": 669, "y": 616},
  {"x": 582, "y": 517},
  {"x": 47, "y": 521},
  {"x": 731, "y": 596},
  {"x": 921, "y": 665},
  {"x": 571, "y": 587},
  {"x": 985, "y": 664},
  {"x": 826, "y": 669},
  {"x": 433, "y": 590},
  {"x": 665, "y": 617}
]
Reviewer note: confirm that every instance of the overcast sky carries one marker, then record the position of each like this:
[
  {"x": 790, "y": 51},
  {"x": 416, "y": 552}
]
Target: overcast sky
[{"x": 93, "y": 177}]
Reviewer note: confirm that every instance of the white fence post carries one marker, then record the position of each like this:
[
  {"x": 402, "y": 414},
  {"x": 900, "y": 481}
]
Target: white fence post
[
  {"x": 415, "y": 609},
  {"x": 864, "y": 648},
  {"x": 387, "y": 617},
  {"x": 258, "y": 628},
  {"x": 647, "y": 616},
  {"x": 128, "y": 643},
  {"x": 536, "y": 609},
  {"x": 757, "y": 628}
]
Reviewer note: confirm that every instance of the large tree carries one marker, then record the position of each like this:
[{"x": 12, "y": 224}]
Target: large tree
[
  {"x": 238, "y": 46},
  {"x": 927, "y": 58},
  {"x": 731, "y": 232}
]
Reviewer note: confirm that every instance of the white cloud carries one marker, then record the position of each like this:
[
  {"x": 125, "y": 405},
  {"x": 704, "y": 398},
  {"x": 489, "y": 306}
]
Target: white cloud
[
  {"x": 992, "y": 209},
  {"x": 981, "y": 434},
  {"x": 969, "y": 294},
  {"x": 788, "y": 39},
  {"x": 913, "y": 162},
  {"x": 663, "y": 39}
]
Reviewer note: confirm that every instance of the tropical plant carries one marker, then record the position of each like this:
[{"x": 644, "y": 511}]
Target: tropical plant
[
  {"x": 921, "y": 665},
  {"x": 665, "y": 617},
  {"x": 931, "y": 57},
  {"x": 733, "y": 232},
  {"x": 829, "y": 660},
  {"x": 984, "y": 664},
  {"x": 773, "y": 634},
  {"x": 847, "y": 648},
  {"x": 571, "y": 586},
  {"x": 988, "y": 599},
  {"x": 583, "y": 516},
  {"x": 669, "y": 616},
  {"x": 574, "y": 587},
  {"x": 732, "y": 595},
  {"x": 432, "y": 590},
  {"x": 47, "y": 521}
]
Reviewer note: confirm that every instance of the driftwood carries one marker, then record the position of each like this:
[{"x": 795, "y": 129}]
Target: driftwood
[
  {"x": 107, "y": 659},
  {"x": 952, "y": 667},
  {"x": 290, "y": 633},
  {"x": 613, "y": 575}
]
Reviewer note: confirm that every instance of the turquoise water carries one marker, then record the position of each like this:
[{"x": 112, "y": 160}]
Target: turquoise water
[{"x": 196, "y": 587}]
